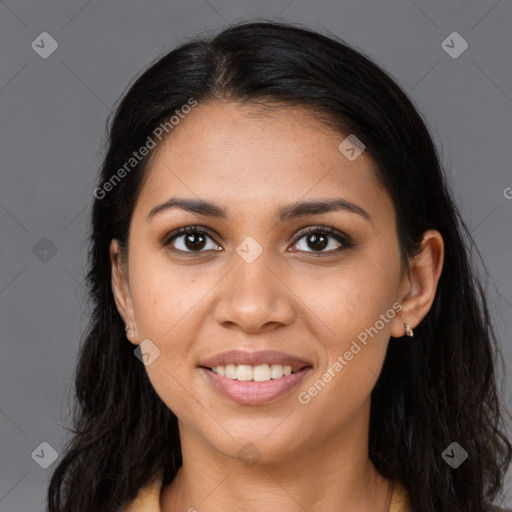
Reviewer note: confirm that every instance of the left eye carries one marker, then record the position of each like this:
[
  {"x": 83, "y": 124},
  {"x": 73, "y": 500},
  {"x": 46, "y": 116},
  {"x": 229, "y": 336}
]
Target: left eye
[{"x": 318, "y": 239}]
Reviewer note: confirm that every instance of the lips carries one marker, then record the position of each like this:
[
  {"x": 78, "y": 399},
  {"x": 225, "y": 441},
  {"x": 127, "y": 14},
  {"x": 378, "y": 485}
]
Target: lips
[
  {"x": 239, "y": 357},
  {"x": 253, "y": 392}
]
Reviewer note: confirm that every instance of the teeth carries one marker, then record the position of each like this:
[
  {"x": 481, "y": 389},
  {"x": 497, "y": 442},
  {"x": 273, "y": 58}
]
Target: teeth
[
  {"x": 243, "y": 372},
  {"x": 276, "y": 371},
  {"x": 230, "y": 371},
  {"x": 260, "y": 373}
]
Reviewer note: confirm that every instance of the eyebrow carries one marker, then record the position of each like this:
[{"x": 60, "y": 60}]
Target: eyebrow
[{"x": 294, "y": 210}]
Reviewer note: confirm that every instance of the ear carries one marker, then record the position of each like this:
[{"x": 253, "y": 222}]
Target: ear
[
  {"x": 121, "y": 288},
  {"x": 419, "y": 285}
]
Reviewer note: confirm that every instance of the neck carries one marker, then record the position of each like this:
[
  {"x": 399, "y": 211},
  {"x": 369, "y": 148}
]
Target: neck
[{"x": 334, "y": 474}]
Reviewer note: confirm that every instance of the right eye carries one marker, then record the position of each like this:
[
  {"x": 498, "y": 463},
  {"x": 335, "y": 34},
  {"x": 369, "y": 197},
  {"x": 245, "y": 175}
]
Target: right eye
[{"x": 189, "y": 239}]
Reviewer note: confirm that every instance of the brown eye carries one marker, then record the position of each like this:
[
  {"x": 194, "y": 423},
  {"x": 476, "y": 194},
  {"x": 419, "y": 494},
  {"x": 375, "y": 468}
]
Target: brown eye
[
  {"x": 190, "y": 239},
  {"x": 319, "y": 238}
]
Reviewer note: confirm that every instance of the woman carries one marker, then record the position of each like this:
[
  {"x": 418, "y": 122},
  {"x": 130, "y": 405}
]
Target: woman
[{"x": 286, "y": 316}]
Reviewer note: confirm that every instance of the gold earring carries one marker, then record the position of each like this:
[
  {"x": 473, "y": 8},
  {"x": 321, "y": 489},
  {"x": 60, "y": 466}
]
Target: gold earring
[{"x": 409, "y": 331}]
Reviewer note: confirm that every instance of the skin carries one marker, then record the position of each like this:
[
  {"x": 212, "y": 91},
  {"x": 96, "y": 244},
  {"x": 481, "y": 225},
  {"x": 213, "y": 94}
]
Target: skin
[{"x": 291, "y": 298}]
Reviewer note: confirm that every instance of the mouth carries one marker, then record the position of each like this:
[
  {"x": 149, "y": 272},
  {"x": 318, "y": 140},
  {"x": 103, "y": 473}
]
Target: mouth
[
  {"x": 254, "y": 385},
  {"x": 254, "y": 378}
]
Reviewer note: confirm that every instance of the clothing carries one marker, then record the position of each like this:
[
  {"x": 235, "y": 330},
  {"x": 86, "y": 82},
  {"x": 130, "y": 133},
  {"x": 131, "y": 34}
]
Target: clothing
[
  {"x": 400, "y": 500},
  {"x": 148, "y": 499}
]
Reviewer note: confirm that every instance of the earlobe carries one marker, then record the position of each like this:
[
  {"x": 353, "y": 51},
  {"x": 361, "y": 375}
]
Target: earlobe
[
  {"x": 420, "y": 283},
  {"x": 120, "y": 286}
]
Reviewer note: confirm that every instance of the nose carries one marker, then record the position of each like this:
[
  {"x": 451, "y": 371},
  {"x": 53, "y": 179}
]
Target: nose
[{"x": 254, "y": 298}]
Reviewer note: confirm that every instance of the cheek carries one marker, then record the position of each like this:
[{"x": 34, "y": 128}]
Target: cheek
[
  {"x": 171, "y": 384},
  {"x": 164, "y": 295},
  {"x": 168, "y": 301},
  {"x": 165, "y": 308},
  {"x": 349, "y": 299},
  {"x": 354, "y": 348},
  {"x": 353, "y": 310}
]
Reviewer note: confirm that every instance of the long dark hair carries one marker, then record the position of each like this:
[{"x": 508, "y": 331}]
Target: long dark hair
[{"x": 436, "y": 389}]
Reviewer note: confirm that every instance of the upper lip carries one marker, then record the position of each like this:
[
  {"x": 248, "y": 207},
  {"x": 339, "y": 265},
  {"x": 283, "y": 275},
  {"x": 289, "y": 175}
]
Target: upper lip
[{"x": 255, "y": 359}]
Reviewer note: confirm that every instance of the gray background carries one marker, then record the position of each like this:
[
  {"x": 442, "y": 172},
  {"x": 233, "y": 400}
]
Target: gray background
[{"x": 53, "y": 114}]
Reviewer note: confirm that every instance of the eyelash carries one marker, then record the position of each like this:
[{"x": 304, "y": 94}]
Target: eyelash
[{"x": 345, "y": 240}]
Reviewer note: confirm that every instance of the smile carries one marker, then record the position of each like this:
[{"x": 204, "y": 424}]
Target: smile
[
  {"x": 259, "y": 373},
  {"x": 241, "y": 386}
]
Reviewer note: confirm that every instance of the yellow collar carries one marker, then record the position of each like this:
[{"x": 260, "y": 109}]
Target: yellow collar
[
  {"x": 399, "y": 500},
  {"x": 148, "y": 499}
]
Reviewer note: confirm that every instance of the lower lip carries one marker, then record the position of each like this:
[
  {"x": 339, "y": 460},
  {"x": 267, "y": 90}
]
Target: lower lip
[{"x": 249, "y": 392}]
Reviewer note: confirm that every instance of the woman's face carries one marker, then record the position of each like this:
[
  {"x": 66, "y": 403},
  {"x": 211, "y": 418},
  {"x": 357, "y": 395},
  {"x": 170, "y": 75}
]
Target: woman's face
[{"x": 256, "y": 283}]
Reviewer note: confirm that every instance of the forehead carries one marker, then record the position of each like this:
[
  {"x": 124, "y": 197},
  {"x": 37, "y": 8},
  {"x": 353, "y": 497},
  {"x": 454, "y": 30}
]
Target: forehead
[{"x": 244, "y": 155}]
